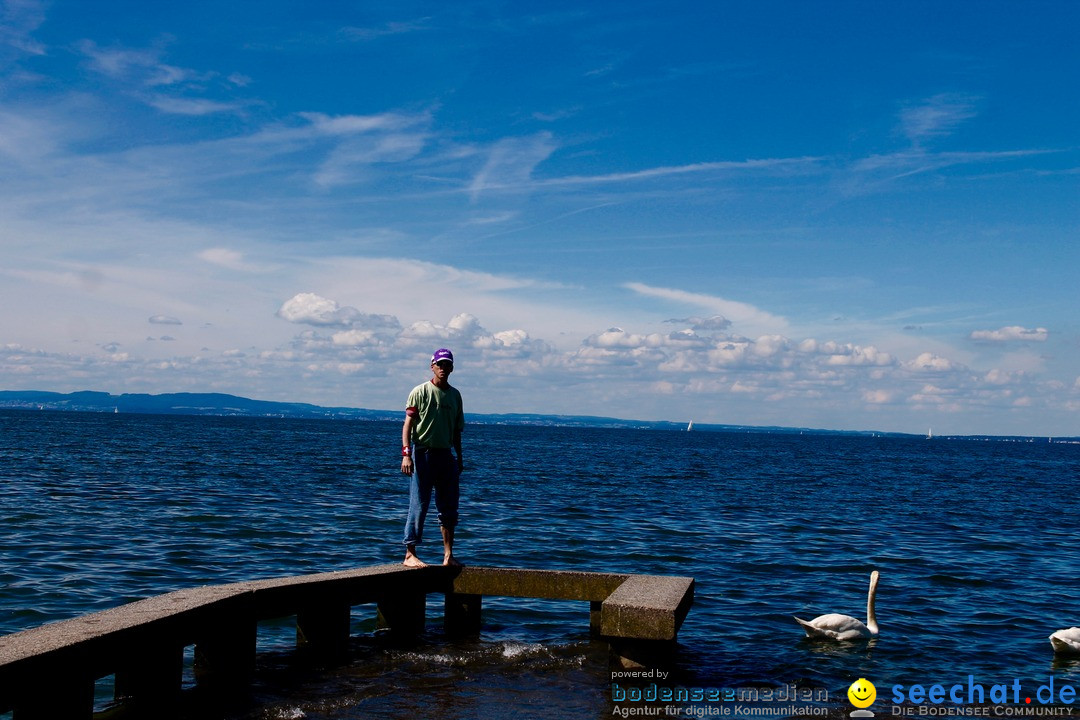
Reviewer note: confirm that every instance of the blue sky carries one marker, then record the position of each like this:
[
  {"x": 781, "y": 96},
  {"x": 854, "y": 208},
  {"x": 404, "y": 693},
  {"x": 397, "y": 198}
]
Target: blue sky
[{"x": 850, "y": 215}]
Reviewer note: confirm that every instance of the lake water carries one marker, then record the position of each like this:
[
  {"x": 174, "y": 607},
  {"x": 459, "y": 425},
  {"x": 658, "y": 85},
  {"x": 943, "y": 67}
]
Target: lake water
[{"x": 975, "y": 542}]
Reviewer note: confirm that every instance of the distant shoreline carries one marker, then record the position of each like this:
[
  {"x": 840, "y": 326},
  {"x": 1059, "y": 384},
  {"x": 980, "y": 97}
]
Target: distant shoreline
[{"x": 224, "y": 405}]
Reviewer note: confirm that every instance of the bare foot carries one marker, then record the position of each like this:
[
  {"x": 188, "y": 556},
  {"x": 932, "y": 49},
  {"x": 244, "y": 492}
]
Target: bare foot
[
  {"x": 413, "y": 561},
  {"x": 452, "y": 561}
]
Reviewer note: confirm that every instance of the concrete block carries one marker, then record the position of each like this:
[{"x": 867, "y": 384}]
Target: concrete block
[
  {"x": 550, "y": 584},
  {"x": 647, "y": 607}
]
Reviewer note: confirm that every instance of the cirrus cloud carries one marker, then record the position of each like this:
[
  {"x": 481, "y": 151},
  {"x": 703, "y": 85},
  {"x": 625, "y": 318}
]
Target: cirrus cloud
[{"x": 726, "y": 311}]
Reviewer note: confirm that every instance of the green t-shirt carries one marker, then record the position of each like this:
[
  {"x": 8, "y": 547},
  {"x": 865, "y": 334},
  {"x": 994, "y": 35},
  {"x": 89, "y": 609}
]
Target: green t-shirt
[{"x": 440, "y": 415}]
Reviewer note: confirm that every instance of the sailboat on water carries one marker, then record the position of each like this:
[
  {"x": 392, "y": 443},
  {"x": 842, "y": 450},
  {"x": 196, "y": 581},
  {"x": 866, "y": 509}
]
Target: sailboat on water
[
  {"x": 930, "y": 434},
  {"x": 690, "y": 426}
]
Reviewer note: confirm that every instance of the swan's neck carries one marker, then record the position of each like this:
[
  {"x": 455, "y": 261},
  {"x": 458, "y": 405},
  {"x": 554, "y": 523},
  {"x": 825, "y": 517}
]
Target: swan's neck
[{"x": 871, "y": 617}]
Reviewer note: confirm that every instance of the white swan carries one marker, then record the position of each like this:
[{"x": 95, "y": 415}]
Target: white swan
[
  {"x": 1066, "y": 642},
  {"x": 835, "y": 626}
]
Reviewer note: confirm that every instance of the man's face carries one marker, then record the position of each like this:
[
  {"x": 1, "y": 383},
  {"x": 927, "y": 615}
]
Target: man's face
[{"x": 442, "y": 369}]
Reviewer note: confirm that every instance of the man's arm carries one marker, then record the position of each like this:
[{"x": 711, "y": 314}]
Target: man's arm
[
  {"x": 457, "y": 449},
  {"x": 459, "y": 423},
  {"x": 406, "y": 436}
]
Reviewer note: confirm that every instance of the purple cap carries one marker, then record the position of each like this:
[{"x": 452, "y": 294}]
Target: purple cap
[{"x": 442, "y": 354}]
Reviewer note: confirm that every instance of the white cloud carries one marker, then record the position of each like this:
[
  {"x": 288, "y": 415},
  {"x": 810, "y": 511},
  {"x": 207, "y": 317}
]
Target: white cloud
[
  {"x": 223, "y": 256},
  {"x": 878, "y": 173},
  {"x": 1022, "y": 361},
  {"x": 934, "y": 396},
  {"x": 346, "y": 125},
  {"x": 929, "y": 362},
  {"x": 854, "y": 355},
  {"x": 168, "y": 88},
  {"x": 18, "y": 20},
  {"x": 312, "y": 309},
  {"x": 345, "y": 163},
  {"x": 143, "y": 66},
  {"x": 232, "y": 260},
  {"x": 191, "y": 106},
  {"x": 340, "y": 148},
  {"x": 351, "y": 368},
  {"x": 779, "y": 166},
  {"x": 877, "y": 397},
  {"x": 615, "y": 338},
  {"x": 1012, "y": 333},
  {"x": 999, "y": 377},
  {"x": 354, "y": 338},
  {"x": 770, "y": 345},
  {"x": 462, "y": 327},
  {"x": 510, "y": 163},
  {"x": 937, "y": 116},
  {"x": 164, "y": 320},
  {"x": 363, "y": 328},
  {"x": 29, "y": 136}
]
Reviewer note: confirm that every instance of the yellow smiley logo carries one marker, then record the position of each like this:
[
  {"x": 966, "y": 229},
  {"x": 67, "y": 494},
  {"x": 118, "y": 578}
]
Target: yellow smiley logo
[{"x": 862, "y": 693}]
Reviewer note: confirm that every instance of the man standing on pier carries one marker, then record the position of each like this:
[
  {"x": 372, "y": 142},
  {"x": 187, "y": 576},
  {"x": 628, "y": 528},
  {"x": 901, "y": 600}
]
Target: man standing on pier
[{"x": 433, "y": 423}]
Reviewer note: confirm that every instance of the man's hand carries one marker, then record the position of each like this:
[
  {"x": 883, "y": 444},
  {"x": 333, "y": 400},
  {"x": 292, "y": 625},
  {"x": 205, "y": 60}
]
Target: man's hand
[{"x": 406, "y": 465}]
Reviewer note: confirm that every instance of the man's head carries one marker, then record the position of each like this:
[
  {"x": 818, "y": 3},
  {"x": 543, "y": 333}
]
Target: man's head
[{"x": 442, "y": 360}]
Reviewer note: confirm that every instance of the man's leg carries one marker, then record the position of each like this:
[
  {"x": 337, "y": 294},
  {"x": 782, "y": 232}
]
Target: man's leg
[
  {"x": 419, "y": 499},
  {"x": 447, "y": 494},
  {"x": 448, "y": 547},
  {"x": 411, "y": 558}
]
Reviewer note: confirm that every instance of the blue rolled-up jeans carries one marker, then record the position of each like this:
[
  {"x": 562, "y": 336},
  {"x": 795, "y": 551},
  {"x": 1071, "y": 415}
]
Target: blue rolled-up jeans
[{"x": 433, "y": 469}]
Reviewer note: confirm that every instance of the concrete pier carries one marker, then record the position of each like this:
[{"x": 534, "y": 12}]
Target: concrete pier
[{"x": 50, "y": 671}]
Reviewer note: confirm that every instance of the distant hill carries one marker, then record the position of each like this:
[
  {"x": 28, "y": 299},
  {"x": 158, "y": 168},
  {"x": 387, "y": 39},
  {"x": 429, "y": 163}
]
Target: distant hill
[
  {"x": 220, "y": 404},
  {"x": 179, "y": 404}
]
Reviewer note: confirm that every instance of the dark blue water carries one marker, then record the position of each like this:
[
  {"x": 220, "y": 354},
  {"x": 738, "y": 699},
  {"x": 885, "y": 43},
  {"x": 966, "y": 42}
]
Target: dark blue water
[{"x": 975, "y": 542}]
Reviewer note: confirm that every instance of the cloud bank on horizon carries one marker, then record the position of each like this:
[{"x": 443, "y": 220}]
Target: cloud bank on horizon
[{"x": 839, "y": 218}]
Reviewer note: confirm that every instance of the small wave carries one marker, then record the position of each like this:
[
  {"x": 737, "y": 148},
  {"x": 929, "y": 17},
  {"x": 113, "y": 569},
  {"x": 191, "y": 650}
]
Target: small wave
[
  {"x": 515, "y": 650},
  {"x": 436, "y": 658},
  {"x": 508, "y": 652}
]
